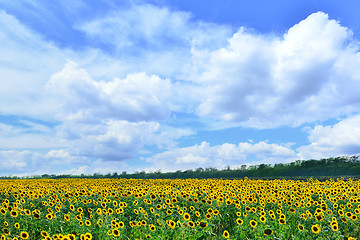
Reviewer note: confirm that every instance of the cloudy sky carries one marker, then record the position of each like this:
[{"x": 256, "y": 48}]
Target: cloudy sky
[{"x": 110, "y": 86}]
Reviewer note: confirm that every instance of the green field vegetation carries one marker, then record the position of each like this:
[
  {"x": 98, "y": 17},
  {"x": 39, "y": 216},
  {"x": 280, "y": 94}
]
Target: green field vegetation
[{"x": 193, "y": 209}]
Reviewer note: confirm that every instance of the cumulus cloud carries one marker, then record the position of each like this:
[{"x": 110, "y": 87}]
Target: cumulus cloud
[
  {"x": 343, "y": 138},
  {"x": 264, "y": 81},
  {"x": 218, "y": 156},
  {"x": 62, "y": 157},
  {"x": 111, "y": 120},
  {"x": 138, "y": 97}
]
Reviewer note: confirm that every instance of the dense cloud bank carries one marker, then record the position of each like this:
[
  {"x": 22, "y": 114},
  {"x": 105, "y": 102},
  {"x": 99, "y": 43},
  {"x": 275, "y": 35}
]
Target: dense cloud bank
[{"x": 108, "y": 104}]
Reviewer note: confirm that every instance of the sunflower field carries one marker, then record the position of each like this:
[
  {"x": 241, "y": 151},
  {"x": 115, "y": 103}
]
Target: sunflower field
[{"x": 179, "y": 209}]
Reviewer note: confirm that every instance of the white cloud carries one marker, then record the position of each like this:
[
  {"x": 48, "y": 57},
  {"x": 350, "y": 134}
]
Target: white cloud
[
  {"x": 190, "y": 159},
  {"x": 145, "y": 24},
  {"x": 264, "y": 81},
  {"x": 20, "y": 162},
  {"x": 112, "y": 120},
  {"x": 151, "y": 38},
  {"x": 141, "y": 26},
  {"x": 62, "y": 157},
  {"x": 219, "y": 156},
  {"x": 14, "y": 159},
  {"x": 343, "y": 138},
  {"x": 76, "y": 171},
  {"x": 33, "y": 136},
  {"x": 26, "y": 62},
  {"x": 138, "y": 97}
]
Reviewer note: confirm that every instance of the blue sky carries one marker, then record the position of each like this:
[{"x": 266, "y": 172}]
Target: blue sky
[{"x": 105, "y": 86}]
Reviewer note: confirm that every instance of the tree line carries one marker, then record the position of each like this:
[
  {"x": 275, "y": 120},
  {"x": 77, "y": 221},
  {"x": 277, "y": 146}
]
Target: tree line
[{"x": 327, "y": 167}]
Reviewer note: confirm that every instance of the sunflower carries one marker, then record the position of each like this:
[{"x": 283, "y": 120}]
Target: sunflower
[
  {"x": 239, "y": 221},
  {"x": 152, "y": 227},
  {"x": 203, "y": 224},
  {"x": 36, "y": 215},
  {"x": 3, "y": 211},
  {"x": 88, "y": 236},
  {"x": 282, "y": 221},
  {"x": 315, "y": 228},
  {"x": 334, "y": 226},
  {"x": 98, "y": 211},
  {"x": 253, "y": 223},
  {"x": 152, "y": 210},
  {"x": 268, "y": 231},
  {"x": 110, "y": 211},
  {"x": 226, "y": 234},
  {"x": 191, "y": 224},
  {"x": 116, "y": 232},
  {"x": 348, "y": 214},
  {"x": 6, "y": 231},
  {"x": 24, "y": 235},
  {"x": 186, "y": 216},
  {"x": 301, "y": 227},
  {"x": 87, "y": 223},
  {"x": 13, "y": 213},
  {"x": 17, "y": 225},
  {"x": 121, "y": 224},
  {"x": 172, "y": 224}
]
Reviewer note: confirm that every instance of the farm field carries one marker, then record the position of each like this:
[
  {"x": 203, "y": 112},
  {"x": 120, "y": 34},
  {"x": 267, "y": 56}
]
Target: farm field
[{"x": 179, "y": 209}]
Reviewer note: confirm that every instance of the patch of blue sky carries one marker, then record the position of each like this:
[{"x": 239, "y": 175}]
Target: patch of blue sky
[
  {"x": 281, "y": 135},
  {"x": 235, "y": 135},
  {"x": 56, "y": 21},
  {"x": 21, "y": 121},
  {"x": 275, "y": 16}
]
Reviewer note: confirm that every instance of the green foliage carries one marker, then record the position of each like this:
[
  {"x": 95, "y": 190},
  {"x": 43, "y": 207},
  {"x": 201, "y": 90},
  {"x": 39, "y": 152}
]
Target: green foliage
[{"x": 329, "y": 167}]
